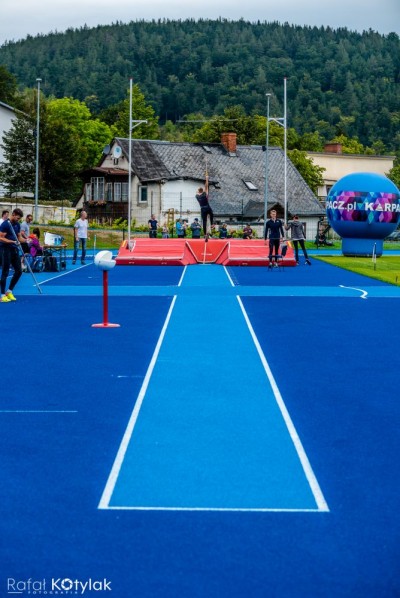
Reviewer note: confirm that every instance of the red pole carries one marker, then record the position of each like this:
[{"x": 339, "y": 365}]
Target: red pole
[
  {"x": 105, "y": 323},
  {"x": 105, "y": 297}
]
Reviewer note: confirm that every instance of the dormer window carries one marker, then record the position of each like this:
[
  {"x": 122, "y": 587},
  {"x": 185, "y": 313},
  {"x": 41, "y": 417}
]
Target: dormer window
[{"x": 250, "y": 185}]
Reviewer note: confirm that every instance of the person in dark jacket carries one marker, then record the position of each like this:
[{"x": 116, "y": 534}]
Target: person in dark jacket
[
  {"x": 205, "y": 208},
  {"x": 273, "y": 231},
  {"x": 298, "y": 237},
  {"x": 196, "y": 229}
]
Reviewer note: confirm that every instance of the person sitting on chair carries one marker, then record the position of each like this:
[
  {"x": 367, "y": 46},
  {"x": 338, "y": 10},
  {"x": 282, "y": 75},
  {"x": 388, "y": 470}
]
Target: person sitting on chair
[
  {"x": 35, "y": 247},
  {"x": 247, "y": 232}
]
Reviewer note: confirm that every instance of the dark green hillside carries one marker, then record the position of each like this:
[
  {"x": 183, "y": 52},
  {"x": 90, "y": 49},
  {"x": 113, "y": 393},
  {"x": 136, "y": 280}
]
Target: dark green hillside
[{"x": 339, "y": 81}]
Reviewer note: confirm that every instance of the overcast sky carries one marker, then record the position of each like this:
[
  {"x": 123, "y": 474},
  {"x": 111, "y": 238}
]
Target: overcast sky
[{"x": 19, "y": 18}]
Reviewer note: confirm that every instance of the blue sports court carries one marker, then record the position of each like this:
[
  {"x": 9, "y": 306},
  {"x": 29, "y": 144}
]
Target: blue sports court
[{"x": 236, "y": 436}]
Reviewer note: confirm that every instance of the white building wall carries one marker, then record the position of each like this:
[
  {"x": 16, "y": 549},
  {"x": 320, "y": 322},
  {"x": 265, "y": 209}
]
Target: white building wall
[{"x": 339, "y": 165}]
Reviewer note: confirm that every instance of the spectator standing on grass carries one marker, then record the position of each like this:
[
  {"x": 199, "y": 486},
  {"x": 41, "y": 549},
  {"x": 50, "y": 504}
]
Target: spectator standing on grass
[{"x": 81, "y": 237}]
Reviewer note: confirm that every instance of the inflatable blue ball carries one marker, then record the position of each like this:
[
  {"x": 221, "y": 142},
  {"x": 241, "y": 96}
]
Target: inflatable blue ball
[{"x": 363, "y": 208}]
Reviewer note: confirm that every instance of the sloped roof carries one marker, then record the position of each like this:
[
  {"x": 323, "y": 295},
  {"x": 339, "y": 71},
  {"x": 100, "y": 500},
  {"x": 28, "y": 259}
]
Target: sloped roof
[{"x": 164, "y": 160}]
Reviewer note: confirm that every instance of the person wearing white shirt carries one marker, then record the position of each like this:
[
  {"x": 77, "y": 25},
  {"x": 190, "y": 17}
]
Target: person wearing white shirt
[{"x": 80, "y": 237}]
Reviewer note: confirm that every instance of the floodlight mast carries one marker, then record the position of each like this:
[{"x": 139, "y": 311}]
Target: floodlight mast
[
  {"x": 282, "y": 121},
  {"x": 131, "y": 127},
  {"x": 36, "y": 215},
  {"x": 266, "y": 166}
]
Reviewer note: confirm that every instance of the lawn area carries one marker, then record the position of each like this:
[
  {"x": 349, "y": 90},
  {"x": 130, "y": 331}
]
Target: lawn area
[{"x": 386, "y": 268}]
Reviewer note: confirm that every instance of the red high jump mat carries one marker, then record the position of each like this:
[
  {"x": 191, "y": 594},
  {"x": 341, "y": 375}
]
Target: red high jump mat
[{"x": 175, "y": 252}]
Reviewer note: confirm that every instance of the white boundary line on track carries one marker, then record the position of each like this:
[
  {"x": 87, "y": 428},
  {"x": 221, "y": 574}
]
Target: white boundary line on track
[
  {"x": 232, "y": 509},
  {"x": 35, "y": 411},
  {"x": 112, "y": 479},
  {"x": 362, "y": 291},
  {"x": 312, "y": 480}
]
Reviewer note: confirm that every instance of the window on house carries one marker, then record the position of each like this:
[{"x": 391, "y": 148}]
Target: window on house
[
  {"x": 125, "y": 189},
  {"x": 117, "y": 192},
  {"x": 109, "y": 191},
  {"x": 250, "y": 185},
  {"x": 142, "y": 194},
  {"x": 88, "y": 191},
  {"x": 97, "y": 191}
]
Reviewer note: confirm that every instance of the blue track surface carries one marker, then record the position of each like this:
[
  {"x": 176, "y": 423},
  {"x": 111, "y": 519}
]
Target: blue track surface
[
  {"x": 224, "y": 449},
  {"x": 69, "y": 391}
]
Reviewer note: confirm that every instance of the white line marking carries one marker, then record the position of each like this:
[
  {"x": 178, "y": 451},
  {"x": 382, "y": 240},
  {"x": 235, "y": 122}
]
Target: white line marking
[
  {"x": 243, "y": 509},
  {"x": 34, "y": 411},
  {"x": 65, "y": 273},
  {"x": 229, "y": 277},
  {"x": 112, "y": 479},
  {"x": 181, "y": 278},
  {"x": 362, "y": 291},
  {"x": 312, "y": 480}
]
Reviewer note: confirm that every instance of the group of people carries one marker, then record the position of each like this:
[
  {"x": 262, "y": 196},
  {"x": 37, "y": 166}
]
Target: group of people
[
  {"x": 17, "y": 243},
  {"x": 13, "y": 235},
  {"x": 275, "y": 233}
]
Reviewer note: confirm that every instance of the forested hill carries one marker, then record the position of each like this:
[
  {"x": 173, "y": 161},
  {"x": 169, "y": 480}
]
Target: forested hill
[{"x": 339, "y": 81}]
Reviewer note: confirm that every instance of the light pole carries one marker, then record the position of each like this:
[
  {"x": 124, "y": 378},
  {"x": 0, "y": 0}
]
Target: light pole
[
  {"x": 131, "y": 127},
  {"x": 285, "y": 147},
  {"x": 282, "y": 122},
  {"x": 38, "y": 81},
  {"x": 266, "y": 165}
]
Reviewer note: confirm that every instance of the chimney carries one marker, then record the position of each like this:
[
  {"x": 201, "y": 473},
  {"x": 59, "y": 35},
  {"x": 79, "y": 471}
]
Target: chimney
[
  {"x": 333, "y": 148},
  {"x": 228, "y": 140}
]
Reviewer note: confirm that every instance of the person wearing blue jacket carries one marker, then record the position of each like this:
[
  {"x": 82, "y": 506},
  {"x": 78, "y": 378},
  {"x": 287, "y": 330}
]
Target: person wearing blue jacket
[{"x": 273, "y": 231}]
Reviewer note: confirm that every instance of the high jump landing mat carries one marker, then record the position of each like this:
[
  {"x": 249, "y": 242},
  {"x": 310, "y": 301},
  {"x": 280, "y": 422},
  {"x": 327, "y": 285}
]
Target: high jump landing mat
[{"x": 183, "y": 252}]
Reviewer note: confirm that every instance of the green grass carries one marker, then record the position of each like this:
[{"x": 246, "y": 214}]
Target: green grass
[{"x": 386, "y": 268}]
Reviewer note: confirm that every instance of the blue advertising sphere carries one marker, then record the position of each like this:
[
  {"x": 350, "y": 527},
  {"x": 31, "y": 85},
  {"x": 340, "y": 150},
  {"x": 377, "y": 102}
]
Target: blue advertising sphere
[{"x": 363, "y": 208}]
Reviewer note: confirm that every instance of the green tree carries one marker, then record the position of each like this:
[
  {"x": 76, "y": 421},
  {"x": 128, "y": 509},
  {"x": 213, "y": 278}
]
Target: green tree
[
  {"x": 118, "y": 116},
  {"x": 8, "y": 86},
  {"x": 311, "y": 173},
  {"x": 71, "y": 140},
  {"x": 394, "y": 173},
  {"x": 349, "y": 145},
  {"x": 17, "y": 172}
]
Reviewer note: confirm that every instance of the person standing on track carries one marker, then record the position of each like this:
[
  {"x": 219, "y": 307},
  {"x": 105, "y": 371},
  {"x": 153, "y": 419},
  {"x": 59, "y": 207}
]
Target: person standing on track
[
  {"x": 273, "y": 231},
  {"x": 9, "y": 249},
  {"x": 298, "y": 237},
  {"x": 205, "y": 208}
]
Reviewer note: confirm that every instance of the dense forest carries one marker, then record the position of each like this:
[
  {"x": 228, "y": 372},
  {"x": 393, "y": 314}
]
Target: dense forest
[{"x": 339, "y": 82}]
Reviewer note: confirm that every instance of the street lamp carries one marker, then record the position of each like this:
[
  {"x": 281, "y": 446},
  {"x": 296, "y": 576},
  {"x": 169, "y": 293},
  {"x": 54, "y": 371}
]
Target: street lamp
[
  {"x": 266, "y": 165},
  {"x": 38, "y": 81}
]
